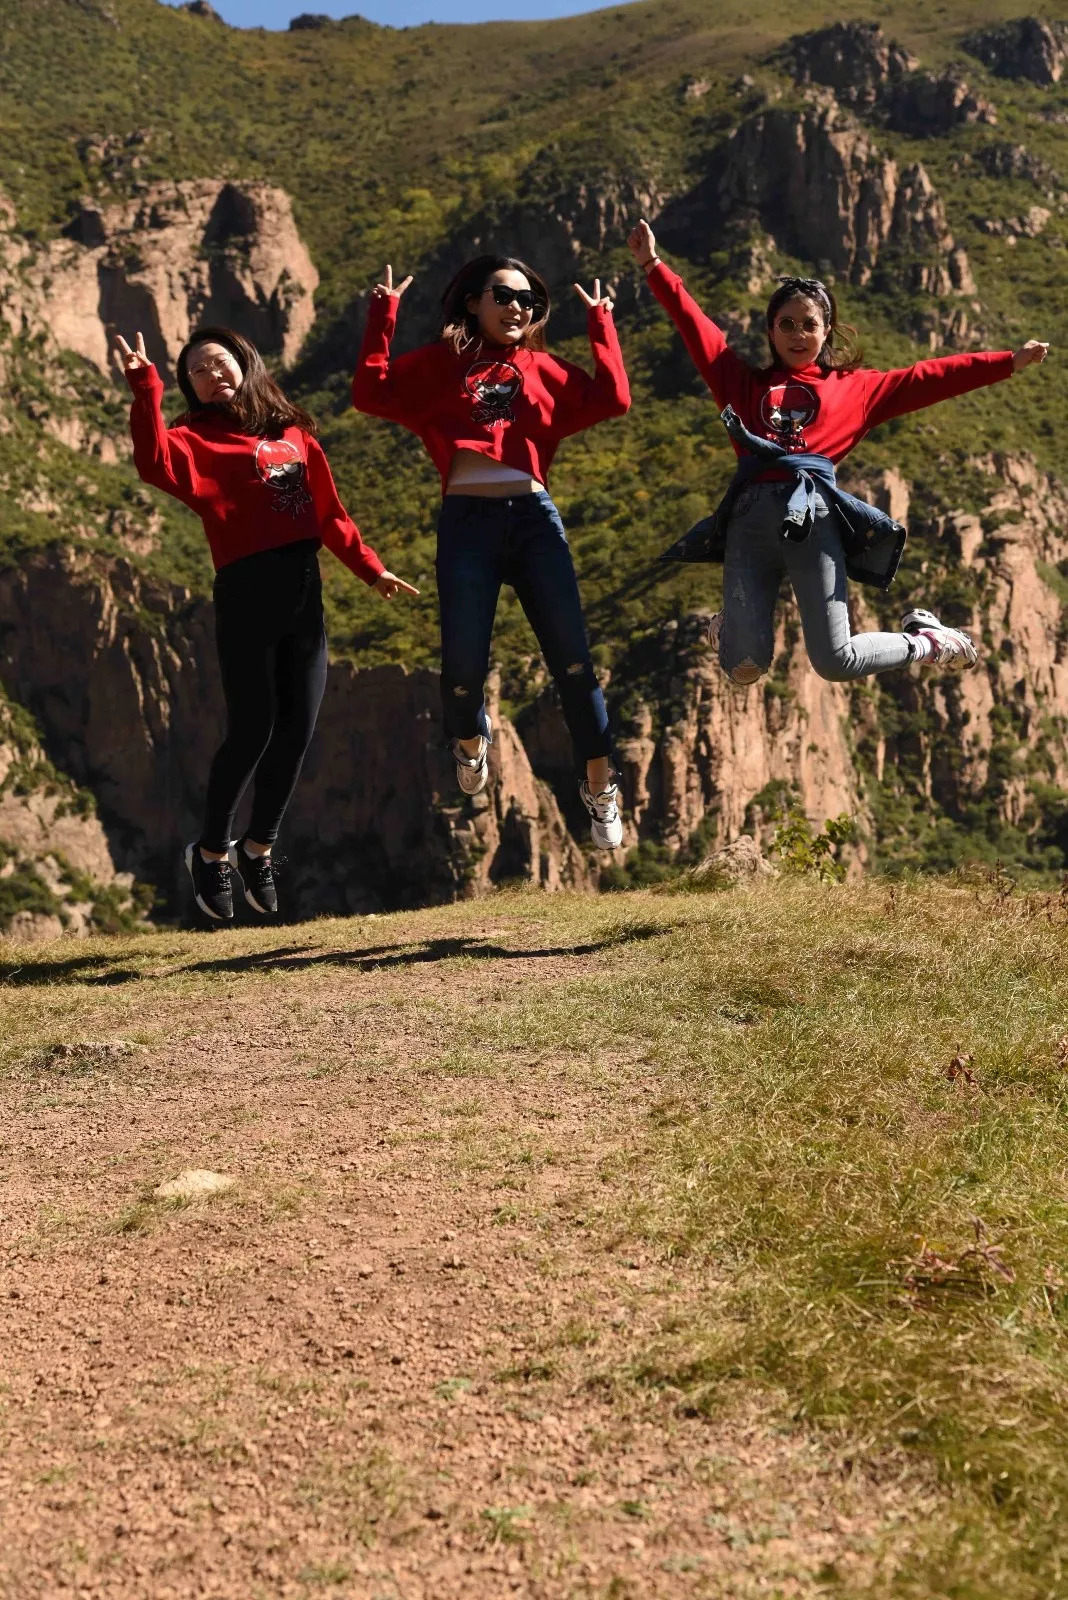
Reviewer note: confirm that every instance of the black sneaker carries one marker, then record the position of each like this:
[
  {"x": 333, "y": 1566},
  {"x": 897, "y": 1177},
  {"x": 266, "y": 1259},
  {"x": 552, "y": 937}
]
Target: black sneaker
[
  {"x": 257, "y": 879},
  {"x": 211, "y": 884}
]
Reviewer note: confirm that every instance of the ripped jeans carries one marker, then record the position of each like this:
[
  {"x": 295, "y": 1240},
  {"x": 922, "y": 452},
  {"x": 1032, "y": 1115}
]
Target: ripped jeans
[
  {"x": 757, "y": 557},
  {"x": 483, "y": 543}
]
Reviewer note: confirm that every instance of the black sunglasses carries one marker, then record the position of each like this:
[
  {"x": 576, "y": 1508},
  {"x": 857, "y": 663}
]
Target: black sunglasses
[{"x": 525, "y": 299}]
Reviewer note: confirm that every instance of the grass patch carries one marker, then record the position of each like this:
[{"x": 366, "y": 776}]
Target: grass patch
[{"x": 818, "y": 1135}]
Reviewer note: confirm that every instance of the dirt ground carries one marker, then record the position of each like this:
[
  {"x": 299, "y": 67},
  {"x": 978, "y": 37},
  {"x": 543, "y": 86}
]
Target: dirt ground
[{"x": 401, "y": 1356}]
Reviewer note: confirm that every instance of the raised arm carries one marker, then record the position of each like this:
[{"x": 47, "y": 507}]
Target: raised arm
[
  {"x": 162, "y": 457},
  {"x": 717, "y": 363},
  {"x": 588, "y": 399},
  {"x": 381, "y": 386},
  {"x": 892, "y": 394}
]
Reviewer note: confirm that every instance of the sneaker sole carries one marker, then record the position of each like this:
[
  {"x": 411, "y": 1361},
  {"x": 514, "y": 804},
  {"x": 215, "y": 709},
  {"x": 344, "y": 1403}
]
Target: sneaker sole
[
  {"x": 602, "y": 842},
  {"x": 482, "y": 780},
  {"x": 208, "y": 912}
]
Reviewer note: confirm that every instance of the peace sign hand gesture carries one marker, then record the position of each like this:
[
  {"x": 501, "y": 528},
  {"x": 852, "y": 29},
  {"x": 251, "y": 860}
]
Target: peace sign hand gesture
[
  {"x": 133, "y": 360},
  {"x": 386, "y": 291},
  {"x": 597, "y": 298}
]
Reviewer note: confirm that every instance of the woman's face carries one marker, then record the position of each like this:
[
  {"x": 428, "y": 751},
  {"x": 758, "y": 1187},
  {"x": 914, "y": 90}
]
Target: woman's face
[
  {"x": 214, "y": 373},
  {"x": 799, "y": 331},
  {"x": 503, "y": 323}
]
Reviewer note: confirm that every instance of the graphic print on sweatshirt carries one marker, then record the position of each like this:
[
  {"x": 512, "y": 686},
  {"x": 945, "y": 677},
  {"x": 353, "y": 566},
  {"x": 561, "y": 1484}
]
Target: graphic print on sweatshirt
[
  {"x": 281, "y": 466},
  {"x": 495, "y": 385},
  {"x": 785, "y": 410}
]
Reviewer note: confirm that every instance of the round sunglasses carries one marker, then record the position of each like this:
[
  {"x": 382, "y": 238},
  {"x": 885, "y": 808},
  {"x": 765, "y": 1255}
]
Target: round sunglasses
[{"x": 807, "y": 325}]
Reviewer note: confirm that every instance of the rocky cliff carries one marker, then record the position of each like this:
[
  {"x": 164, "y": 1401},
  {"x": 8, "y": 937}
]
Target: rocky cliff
[
  {"x": 874, "y": 74},
  {"x": 171, "y": 257},
  {"x": 57, "y": 874},
  {"x": 1026, "y": 47},
  {"x": 819, "y": 184}
]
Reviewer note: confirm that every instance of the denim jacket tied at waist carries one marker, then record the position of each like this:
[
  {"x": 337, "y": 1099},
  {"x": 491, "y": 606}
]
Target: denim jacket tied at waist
[{"x": 871, "y": 539}]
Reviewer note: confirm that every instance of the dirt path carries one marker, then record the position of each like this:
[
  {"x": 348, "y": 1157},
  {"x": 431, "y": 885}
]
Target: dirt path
[{"x": 398, "y": 1359}]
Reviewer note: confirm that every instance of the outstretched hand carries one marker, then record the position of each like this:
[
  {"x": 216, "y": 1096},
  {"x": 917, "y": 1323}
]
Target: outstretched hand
[
  {"x": 597, "y": 298},
  {"x": 386, "y": 291},
  {"x": 1030, "y": 354},
  {"x": 642, "y": 243},
  {"x": 133, "y": 360},
  {"x": 388, "y": 584}
]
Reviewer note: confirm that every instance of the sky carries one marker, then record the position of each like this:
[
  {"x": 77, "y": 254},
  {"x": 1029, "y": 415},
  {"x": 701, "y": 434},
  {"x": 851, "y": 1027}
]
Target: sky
[{"x": 402, "y": 13}]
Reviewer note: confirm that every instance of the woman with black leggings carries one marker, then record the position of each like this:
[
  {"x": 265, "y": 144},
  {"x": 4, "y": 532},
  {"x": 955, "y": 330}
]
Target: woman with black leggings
[{"x": 247, "y": 461}]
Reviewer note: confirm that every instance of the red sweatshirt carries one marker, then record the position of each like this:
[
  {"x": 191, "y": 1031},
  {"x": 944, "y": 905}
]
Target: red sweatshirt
[
  {"x": 512, "y": 405},
  {"x": 806, "y": 409},
  {"x": 251, "y": 494}
]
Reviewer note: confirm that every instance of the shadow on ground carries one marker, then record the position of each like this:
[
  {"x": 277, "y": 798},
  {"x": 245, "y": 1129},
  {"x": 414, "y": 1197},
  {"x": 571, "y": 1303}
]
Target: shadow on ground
[{"x": 99, "y": 969}]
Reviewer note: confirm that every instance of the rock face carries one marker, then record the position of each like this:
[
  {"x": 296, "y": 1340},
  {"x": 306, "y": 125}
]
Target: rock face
[
  {"x": 855, "y": 59},
  {"x": 55, "y": 863},
  {"x": 922, "y": 103},
  {"x": 830, "y": 195},
  {"x": 1005, "y": 160},
  {"x": 720, "y": 745},
  {"x": 869, "y": 72},
  {"x": 1027, "y": 47},
  {"x": 724, "y": 745},
  {"x": 175, "y": 256},
  {"x": 121, "y": 674},
  {"x": 1019, "y": 545}
]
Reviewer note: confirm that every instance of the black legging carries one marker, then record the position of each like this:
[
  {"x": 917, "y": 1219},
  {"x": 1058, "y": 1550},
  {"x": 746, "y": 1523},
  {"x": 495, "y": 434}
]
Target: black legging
[{"x": 272, "y": 656}]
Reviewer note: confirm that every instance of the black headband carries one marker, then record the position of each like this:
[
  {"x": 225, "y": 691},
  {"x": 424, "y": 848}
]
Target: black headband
[{"x": 810, "y": 286}]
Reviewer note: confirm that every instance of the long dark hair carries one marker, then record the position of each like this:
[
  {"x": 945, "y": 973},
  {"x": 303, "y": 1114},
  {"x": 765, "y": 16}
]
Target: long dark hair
[
  {"x": 841, "y": 350},
  {"x": 459, "y": 327},
  {"x": 259, "y": 407}
]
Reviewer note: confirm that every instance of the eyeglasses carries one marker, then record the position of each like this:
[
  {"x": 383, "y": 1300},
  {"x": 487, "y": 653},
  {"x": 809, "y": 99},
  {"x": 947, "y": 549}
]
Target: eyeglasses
[
  {"x": 808, "y": 325},
  {"x": 503, "y": 296},
  {"x": 219, "y": 365}
]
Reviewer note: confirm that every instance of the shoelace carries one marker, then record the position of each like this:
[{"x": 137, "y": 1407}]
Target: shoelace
[
  {"x": 220, "y": 869},
  {"x": 606, "y": 803},
  {"x": 263, "y": 866}
]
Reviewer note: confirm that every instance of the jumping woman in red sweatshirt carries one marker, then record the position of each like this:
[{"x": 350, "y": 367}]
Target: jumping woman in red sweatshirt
[
  {"x": 791, "y": 423},
  {"x": 491, "y": 405},
  {"x": 247, "y": 461}
]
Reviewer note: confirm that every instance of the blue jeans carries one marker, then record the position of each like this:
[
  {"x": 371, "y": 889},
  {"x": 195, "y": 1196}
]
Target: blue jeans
[
  {"x": 483, "y": 543},
  {"x": 757, "y": 557}
]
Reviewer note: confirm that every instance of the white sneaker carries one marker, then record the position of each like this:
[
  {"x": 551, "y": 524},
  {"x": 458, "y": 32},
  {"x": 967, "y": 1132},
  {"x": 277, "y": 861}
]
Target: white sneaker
[
  {"x": 472, "y": 772},
  {"x": 949, "y": 647},
  {"x": 605, "y": 824}
]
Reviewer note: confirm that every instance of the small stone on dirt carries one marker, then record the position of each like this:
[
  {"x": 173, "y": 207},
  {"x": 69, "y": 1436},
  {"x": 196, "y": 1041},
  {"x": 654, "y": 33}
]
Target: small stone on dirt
[{"x": 191, "y": 1183}]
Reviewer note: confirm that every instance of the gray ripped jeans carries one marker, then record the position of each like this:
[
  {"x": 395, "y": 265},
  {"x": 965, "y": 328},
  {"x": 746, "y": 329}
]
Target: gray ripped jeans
[{"x": 757, "y": 556}]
